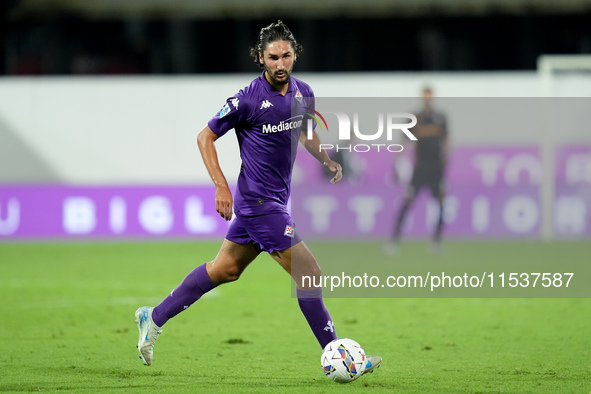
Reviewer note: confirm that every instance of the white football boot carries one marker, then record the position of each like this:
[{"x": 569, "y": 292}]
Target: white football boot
[
  {"x": 372, "y": 363},
  {"x": 149, "y": 332}
]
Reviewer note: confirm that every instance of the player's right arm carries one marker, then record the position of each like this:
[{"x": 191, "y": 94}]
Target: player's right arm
[
  {"x": 235, "y": 110},
  {"x": 223, "y": 196}
]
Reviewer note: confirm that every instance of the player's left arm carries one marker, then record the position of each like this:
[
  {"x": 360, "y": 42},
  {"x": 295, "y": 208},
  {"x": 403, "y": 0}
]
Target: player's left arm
[{"x": 313, "y": 147}]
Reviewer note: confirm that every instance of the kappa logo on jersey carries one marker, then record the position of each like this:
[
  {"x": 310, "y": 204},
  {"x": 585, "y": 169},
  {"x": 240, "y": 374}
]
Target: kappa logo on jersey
[
  {"x": 266, "y": 104},
  {"x": 298, "y": 96},
  {"x": 329, "y": 326},
  {"x": 235, "y": 102},
  {"x": 225, "y": 110},
  {"x": 289, "y": 231}
]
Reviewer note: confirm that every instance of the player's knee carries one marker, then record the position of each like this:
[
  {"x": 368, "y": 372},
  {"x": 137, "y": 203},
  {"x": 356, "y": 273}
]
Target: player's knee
[
  {"x": 316, "y": 271},
  {"x": 224, "y": 273},
  {"x": 313, "y": 270},
  {"x": 309, "y": 272},
  {"x": 231, "y": 273}
]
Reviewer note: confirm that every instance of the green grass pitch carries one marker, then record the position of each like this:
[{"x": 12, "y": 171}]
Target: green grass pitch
[{"x": 66, "y": 324}]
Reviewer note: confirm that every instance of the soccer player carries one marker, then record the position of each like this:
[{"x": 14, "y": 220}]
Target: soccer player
[
  {"x": 431, "y": 153},
  {"x": 267, "y": 117}
]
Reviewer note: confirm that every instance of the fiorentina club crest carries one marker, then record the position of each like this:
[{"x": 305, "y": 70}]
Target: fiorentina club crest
[
  {"x": 298, "y": 97},
  {"x": 289, "y": 231}
]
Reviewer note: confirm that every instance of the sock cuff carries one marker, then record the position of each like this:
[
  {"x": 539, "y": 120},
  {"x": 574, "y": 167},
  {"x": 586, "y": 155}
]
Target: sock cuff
[
  {"x": 202, "y": 278},
  {"x": 309, "y": 293}
]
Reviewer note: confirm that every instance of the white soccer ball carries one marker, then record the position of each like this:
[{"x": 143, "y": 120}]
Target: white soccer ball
[{"x": 343, "y": 360}]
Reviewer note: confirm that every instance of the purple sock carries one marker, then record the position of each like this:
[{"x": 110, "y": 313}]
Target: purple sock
[
  {"x": 183, "y": 296},
  {"x": 318, "y": 318}
]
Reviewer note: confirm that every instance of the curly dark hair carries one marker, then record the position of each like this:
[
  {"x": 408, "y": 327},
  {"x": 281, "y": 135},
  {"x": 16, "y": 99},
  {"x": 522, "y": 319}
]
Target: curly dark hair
[{"x": 274, "y": 32}]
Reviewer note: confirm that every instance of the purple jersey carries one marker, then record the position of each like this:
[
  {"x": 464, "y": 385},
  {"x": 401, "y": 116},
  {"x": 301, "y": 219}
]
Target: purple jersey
[{"x": 268, "y": 127}]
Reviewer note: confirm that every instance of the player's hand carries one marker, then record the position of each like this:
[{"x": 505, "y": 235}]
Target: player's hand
[
  {"x": 335, "y": 168},
  {"x": 224, "y": 202}
]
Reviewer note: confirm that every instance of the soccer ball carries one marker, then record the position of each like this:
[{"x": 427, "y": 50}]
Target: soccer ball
[{"x": 343, "y": 360}]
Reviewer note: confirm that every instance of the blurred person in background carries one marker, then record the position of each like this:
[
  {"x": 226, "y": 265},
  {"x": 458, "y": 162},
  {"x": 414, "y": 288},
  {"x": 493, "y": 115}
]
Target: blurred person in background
[{"x": 431, "y": 152}]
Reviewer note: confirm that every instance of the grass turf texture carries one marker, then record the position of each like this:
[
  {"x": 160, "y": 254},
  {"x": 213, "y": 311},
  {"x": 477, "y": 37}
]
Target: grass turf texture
[{"x": 66, "y": 323}]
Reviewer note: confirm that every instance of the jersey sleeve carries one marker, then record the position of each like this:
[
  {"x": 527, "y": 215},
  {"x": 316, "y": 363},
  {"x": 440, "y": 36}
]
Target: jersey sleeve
[
  {"x": 234, "y": 112},
  {"x": 309, "y": 102}
]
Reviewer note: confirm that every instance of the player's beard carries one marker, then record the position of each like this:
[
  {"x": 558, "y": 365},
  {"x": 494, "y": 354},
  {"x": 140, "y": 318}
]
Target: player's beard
[{"x": 275, "y": 79}]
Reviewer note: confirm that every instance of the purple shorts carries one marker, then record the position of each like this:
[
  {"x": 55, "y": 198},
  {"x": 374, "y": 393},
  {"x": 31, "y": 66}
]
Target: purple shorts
[{"x": 269, "y": 232}]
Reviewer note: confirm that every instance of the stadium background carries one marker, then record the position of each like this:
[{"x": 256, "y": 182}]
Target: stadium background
[
  {"x": 110, "y": 95},
  {"x": 100, "y": 104}
]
